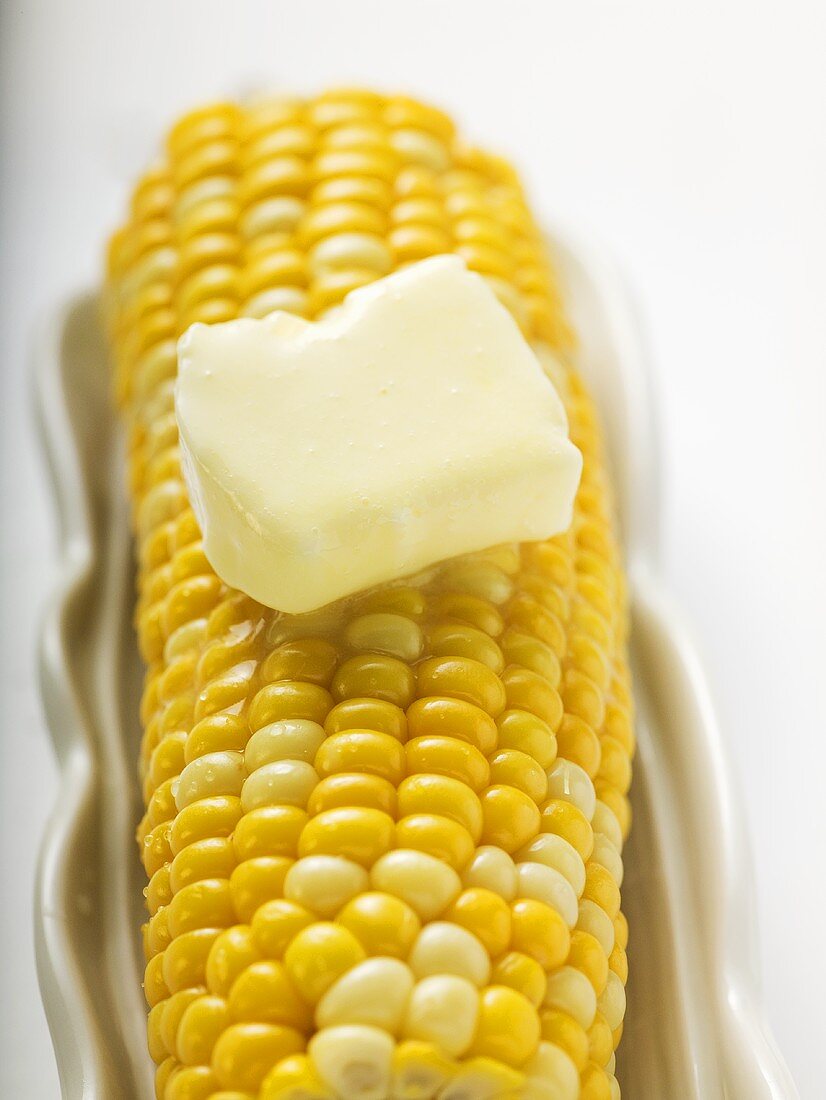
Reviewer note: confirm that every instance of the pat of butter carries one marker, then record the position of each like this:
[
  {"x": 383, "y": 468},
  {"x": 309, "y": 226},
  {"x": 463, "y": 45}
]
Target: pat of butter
[{"x": 412, "y": 424}]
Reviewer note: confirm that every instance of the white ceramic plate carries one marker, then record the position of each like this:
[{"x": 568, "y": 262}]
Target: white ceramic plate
[{"x": 694, "y": 1028}]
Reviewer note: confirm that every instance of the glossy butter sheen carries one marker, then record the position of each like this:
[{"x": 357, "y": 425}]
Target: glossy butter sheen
[{"x": 411, "y": 424}]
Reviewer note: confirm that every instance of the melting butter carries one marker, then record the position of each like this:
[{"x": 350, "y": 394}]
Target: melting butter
[{"x": 412, "y": 424}]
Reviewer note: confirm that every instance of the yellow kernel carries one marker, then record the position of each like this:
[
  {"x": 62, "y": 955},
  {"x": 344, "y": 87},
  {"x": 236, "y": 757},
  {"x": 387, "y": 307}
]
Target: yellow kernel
[
  {"x": 615, "y": 764},
  {"x": 508, "y": 1027},
  {"x": 594, "y": 1084},
  {"x": 618, "y": 963},
  {"x": 527, "y": 690},
  {"x": 464, "y": 640},
  {"x": 206, "y": 904},
  {"x": 184, "y": 960},
  {"x": 587, "y": 955},
  {"x": 362, "y": 751},
  {"x": 268, "y": 831},
  {"x": 565, "y": 820},
  {"x": 426, "y": 884},
  {"x": 231, "y": 952},
  {"x": 318, "y": 955},
  {"x": 191, "y": 1083},
  {"x": 383, "y": 924},
  {"x": 526, "y": 733},
  {"x": 450, "y": 757},
  {"x": 531, "y": 653},
  {"x": 420, "y": 1069},
  {"x": 578, "y": 743},
  {"x": 245, "y": 1053},
  {"x": 289, "y": 699},
  {"x": 464, "y": 679},
  {"x": 437, "y": 836},
  {"x": 368, "y": 714},
  {"x": 256, "y": 881},
  {"x": 539, "y": 931},
  {"x": 601, "y": 888},
  {"x": 216, "y": 733},
  {"x": 486, "y": 915},
  {"x": 324, "y": 883},
  {"x": 469, "y": 609},
  {"x": 563, "y": 1030},
  {"x": 354, "y": 832},
  {"x": 441, "y": 717},
  {"x": 375, "y": 675},
  {"x": 512, "y": 768},
  {"x": 293, "y": 1078},
  {"x": 522, "y": 973},
  {"x": 170, "y": 1016},
  {"x": 276, "y": 923},
  {"x": 264, "y": 994},
  {"x": 600, "y": 1040},
  {"x": 583, "y": 698},
  {"x": 440, "y": 794},
  {"x": 621, "y": 929},
  {"x": 510, "y": 817},
  {"x": 353, "y": 789},
  {"x": 207, "y": 859}
]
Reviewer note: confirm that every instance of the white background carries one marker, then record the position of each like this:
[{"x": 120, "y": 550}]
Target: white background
[{"x": 691, "y": 138}]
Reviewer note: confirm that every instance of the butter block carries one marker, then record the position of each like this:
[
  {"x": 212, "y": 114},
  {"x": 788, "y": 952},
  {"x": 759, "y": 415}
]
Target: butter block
[{"x": 412, "y": 424}]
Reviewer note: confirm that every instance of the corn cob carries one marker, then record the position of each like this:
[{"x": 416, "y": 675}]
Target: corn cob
[{"x": 383, "y": 841}]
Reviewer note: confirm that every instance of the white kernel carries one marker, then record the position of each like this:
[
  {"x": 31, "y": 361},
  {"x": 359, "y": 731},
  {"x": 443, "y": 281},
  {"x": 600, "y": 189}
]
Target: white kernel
[
  {"x": 445, "y": 948},
  {"x": 492, "y": 869},
  {"x": 383, "y": 632},
  {"x": 591, "y": 918},
  {"x": 419, "y": 147},
  {"x": 353, "y": 1060},
  {"x": 351, "y": 250},
  {"x": 615, "y": 1089},
  {"x": 611, "y": 1001},
  {"x": 202, "y": 190},
  {"x": 283, "y": 783},
  {"x": 443, "y": 1010},
  {"x": 213, "y": 774},
  {"x": 289, "y": 299},
  {"x": 571, "y": 782},
  {"x": 550, "y": 886},
  {"x": 277, "y": 215},
  {"x": 424, "y": 882},
  {"x": 608, "y": 857},
  {"x": 187, "y": 637},
  {"x": 556, "y": 852},
  {"x": 374, "y": 992},
  {"x": 605, "y": 821},
  {"x": 551, "y": 1074},
  {"x": 288, "y": 739},
  {"x": 570, "y": 991},
  {"x": 324, "y": 884}
]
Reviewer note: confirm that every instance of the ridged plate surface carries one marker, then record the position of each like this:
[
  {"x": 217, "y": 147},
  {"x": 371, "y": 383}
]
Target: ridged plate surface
[{"x": 694, "y": 1028}]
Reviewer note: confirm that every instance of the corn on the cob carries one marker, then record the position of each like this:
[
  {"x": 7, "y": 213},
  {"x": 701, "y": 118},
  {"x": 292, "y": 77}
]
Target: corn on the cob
[{"x": 383, "y": 841}]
